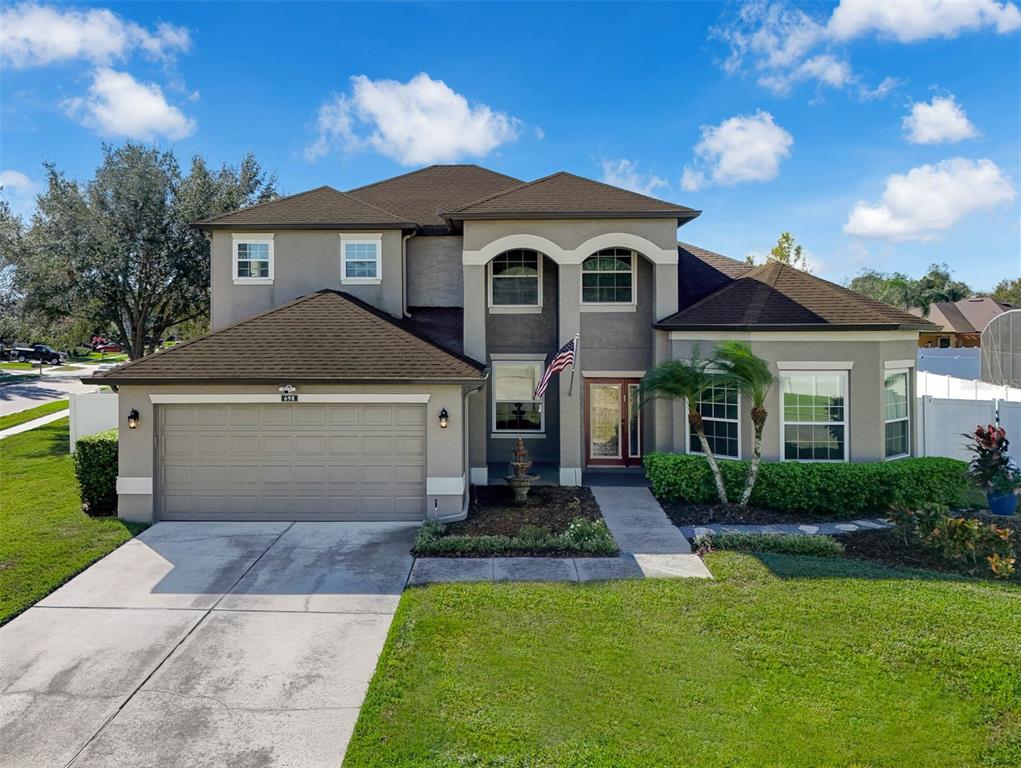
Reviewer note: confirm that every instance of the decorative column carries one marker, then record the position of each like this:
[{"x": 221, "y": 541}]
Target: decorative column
[
  {"x": 475, "y": 348},
  {"x": 571, "y": 405}
]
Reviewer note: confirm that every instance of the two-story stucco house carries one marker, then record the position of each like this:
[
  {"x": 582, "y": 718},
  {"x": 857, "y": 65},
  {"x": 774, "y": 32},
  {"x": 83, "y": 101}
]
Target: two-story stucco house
[{"x": 374, "y": 352}]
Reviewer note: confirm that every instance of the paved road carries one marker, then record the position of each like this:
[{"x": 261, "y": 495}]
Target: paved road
[
  {"x": 205, "y": 644},
  {"x": 18, "y": 396}
]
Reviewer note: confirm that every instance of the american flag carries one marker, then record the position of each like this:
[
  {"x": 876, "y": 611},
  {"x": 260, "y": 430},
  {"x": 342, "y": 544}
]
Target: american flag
[{"x": 564, "y": 358}]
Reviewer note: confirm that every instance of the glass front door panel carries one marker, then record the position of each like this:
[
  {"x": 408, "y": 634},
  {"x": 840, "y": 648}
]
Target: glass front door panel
[
  {"x": 634, "y": 449},
  {"x": 604, "y": 421}
]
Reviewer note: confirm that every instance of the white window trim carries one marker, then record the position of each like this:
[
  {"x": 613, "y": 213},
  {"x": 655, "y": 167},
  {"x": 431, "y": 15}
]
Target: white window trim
[
  {"x": 907, "y": 418},
  {"x": 609, "y": 306},
  {"x": 517, "y": 360},
  {"x": 740, "y": 446},
  {"x": 846, "y": 423},
  {"x": 513, "y": 309},
  {"x": 371, "y": 239},
  {"x": 240, "y": 238}
]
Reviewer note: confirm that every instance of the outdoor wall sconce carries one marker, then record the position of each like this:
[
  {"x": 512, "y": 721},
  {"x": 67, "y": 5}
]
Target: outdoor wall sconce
[
  {"x": 444, "y": 417},
  {"x": 133, "y": 419}
]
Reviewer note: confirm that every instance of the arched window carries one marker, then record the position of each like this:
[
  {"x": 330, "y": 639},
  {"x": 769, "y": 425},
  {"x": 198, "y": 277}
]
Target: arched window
[
  {"x": 608, "y": 277},
  {"x": 515, "y": 279}
]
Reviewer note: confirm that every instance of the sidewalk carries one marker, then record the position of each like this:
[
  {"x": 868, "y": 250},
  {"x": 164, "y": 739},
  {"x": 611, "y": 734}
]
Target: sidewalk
[
  {"x": 33, "y": 424},
  {"x": 650, "y": 547}
]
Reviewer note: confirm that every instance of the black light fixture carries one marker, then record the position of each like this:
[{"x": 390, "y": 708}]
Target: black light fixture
[
  {"x": 133, "y": 419},
  {"x": 444, "y": 416}
]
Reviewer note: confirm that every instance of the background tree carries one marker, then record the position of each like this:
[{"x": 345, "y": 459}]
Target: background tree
[
  {"x": 902, "y": 291},
  {"x": 786, "y": 251},
  {"x": 686, "y": 380},
  {"x": 118, "y": 252},
  {"x": 1008, "y": 291},
  {"x": 750, "y": 374}
]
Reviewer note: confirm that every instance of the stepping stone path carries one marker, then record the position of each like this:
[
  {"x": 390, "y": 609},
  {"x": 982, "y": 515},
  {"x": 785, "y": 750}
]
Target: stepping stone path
[{"x": 788, "y": 529}]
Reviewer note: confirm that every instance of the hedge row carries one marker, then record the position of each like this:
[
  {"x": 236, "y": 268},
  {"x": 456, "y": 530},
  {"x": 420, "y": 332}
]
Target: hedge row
[
  {"x": 814, "y": 487},
  {"x": 784, "y": 544},
  {"x": 95, "y": 466}
]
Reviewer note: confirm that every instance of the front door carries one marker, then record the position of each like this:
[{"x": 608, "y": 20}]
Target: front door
[{"x": 613, "y": 426}]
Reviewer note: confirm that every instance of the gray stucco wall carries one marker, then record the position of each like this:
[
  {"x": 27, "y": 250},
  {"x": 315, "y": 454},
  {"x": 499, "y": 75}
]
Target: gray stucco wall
[
  {"x": 434, "y": 271},
  {"x": 137, "y": 454},
  {"x": 304, "y": 261},
  {"x": 865, "y": 389}
]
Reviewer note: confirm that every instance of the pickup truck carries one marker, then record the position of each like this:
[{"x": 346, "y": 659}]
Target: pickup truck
[{"x": 43, "y": 352}]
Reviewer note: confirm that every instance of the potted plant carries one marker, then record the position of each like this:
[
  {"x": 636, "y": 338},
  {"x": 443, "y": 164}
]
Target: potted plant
[{"x": 992, "y": 469}]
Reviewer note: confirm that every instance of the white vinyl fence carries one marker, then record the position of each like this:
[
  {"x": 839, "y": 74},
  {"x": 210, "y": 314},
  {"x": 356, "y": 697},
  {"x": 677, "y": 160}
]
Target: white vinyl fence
[
  {"x": 948, "y": 408},
  {"x": 92, "y": 412}
]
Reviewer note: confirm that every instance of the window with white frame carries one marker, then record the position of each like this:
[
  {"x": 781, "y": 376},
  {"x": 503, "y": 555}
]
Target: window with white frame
[
  {"x": 515, "y": 279},
  {"x": 360, "y": 259},
  {"x": 896, "y": 414},
  {"x": 514, "y": 408},
  {"x": 719, "y": 407},
  {"x": 607, "y": 277},
  {"x": 253, "y": 258},
  {"x": 814, "y": 415}
]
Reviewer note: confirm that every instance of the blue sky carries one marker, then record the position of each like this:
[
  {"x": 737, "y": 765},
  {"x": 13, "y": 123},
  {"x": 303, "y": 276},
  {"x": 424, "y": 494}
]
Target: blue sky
[{"x": 881, "y": 135}]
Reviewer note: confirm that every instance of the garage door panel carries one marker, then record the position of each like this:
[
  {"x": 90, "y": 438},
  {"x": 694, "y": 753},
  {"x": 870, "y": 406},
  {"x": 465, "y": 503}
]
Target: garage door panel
[{"x": 287, "y": 462}]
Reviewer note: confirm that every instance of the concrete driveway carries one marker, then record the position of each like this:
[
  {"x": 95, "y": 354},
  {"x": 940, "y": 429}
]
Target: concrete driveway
[
  {"x": 54, "y": 385},
  {"x": 205, "y": 644}
]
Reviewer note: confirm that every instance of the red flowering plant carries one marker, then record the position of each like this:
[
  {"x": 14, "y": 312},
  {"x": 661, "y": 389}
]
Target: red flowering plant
[{"x": 990, "y": 467}]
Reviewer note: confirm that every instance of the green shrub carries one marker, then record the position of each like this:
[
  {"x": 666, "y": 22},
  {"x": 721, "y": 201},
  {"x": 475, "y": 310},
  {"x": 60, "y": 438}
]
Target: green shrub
[
  {"x": 589, "y": 538},
  {"x": 95, "y": 467},
  {"x": 817, "y": 546},
  {"x": 823, "y": 488}
]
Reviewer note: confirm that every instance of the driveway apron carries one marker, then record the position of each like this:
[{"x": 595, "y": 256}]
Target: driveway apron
[{"x": 205, "y": 644}]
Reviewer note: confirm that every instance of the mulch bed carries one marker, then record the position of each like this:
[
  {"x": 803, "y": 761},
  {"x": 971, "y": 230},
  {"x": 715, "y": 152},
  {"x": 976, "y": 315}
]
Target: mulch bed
[
  {"x": 494, "y": 513},
  {"x": 687, "y": 513},
  {"x": 888, "y": 547}
]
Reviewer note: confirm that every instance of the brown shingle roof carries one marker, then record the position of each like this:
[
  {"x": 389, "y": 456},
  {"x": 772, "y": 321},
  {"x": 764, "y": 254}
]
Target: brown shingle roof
[
  {"x": 564, "y": 195},
  {"x": 325, "y": 336},
  {"x": 422, "y": 195},
  {"x": 779, "y": 297},
  {"x": 323, "y": 207}
]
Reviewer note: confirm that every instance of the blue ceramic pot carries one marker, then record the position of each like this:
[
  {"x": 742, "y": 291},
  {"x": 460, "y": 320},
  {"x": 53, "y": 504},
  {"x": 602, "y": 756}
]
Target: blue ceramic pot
[{"x": 1002, "y": 503}]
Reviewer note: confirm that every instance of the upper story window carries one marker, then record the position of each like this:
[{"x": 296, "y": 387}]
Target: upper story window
[
  {"x": 361, "y": 259},
  {"x": 253, "y": 259},
  {"x": 814, "y": 415},
  {"x": 608, "y": 277},
  {"x": 515, "y": 279}
]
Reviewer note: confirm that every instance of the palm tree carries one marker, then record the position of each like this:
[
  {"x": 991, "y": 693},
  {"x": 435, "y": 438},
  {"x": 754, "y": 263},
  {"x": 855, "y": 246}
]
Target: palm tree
[
  {"x": 686, "y": 380},
  {"x": 751, "y": 376}
]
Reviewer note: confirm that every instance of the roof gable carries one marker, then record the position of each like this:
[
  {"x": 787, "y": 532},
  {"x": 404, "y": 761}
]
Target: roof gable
[
  {"x": 423, "y": 195},
  {"x": 323, "y": 207},
  {"x": 566, "y": 195},
  {"x": 325, "y": 336},
  {"x": 775, "y": 296}
]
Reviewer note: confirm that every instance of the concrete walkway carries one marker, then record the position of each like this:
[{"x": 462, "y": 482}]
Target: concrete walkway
[
  {"x": 205, "y": 644},
  {"x": 26, "y": 426},
  {"x": 789, "y": 529},
  {"x": 650, "y": 547}
]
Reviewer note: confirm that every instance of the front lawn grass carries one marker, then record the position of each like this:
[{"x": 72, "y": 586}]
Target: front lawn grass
[
  {"x": 14, "y": 419},
  {"x": 46, "y": 538},
  {"x": 780, "y": 661}
]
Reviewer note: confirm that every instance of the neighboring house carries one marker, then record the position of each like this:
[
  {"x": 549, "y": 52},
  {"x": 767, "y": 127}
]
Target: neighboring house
[
  {"x": 961, "y": 322},
  {"x": 374, "y": 352}
]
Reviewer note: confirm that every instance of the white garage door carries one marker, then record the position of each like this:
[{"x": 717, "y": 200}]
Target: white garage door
[{"x": 291, "y": 461}]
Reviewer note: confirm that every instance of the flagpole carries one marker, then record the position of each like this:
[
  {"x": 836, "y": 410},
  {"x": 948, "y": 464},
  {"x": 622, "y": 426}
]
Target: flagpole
[{"x": 577, "y": 354}]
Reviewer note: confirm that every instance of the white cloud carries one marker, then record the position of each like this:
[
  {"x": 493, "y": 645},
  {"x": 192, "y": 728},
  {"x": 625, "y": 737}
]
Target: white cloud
[
  {"x": 909, "y": 21},
  {"x": 926, "y": 200},
  {"x": 421, "y": 121},
  {"x": 34, "y": 35},
  {"x": 742, "y": 148},
  {"x": 785, "y": 46},
  {"x": 940, "y": 120},
  {"x": 881, "y": 91},
  {"x": 118, "y": 105},
  {"x": 624, "y": 173},
  {"x": 19, "y": 191}
]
